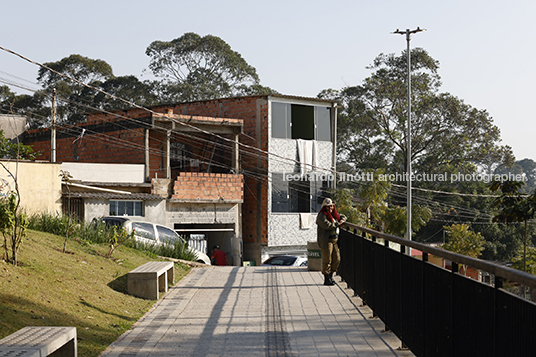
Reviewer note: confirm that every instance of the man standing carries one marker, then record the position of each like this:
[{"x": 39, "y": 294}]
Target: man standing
[{"x": 328, "y": 222}]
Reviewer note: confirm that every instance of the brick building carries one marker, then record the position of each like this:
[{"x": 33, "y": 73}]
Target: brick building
[{"x": 274, "y": 187}]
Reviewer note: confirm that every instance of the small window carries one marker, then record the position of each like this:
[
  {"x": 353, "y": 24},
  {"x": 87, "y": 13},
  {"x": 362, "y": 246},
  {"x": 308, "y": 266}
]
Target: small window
[
  {"x": 296, "y": 121},
  {"x": 279, "y": 193},
  {"x": 300, "y": 196},
  {"x": 280, "y": 120},
  {"x": 303, "y": 122},
  {"x": 126, "y": 208},
  {"x": 323, "y": 123}
]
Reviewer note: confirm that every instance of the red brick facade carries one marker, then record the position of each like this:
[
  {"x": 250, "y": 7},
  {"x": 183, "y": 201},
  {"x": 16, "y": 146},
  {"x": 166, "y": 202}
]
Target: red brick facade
[
  {"x": 207, "y": 186},
  {"x": 111, "y": 138},
  {"x": 254, "y": 112}
]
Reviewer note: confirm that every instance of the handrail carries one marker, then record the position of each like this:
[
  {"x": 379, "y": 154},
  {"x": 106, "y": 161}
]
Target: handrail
[{"x": 490, "y": 267}]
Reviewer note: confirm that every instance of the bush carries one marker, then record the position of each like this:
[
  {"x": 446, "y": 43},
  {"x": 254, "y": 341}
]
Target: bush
[{"x": 99, "y": 233}]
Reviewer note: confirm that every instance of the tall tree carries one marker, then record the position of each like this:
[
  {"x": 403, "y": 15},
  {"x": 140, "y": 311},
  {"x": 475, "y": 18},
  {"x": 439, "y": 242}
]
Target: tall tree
[
  {"x": 196, "y": 67},
  {"x": 445, "y": 131},
  {"x": 128, "y": 88},
  {"x": 73, "y": 97}
]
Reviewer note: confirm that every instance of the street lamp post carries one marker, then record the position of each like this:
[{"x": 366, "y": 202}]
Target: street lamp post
[{"x": 408, "y": 34}]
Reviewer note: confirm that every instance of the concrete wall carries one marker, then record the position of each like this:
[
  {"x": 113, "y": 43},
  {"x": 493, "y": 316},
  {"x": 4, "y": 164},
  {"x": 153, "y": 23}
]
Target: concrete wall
[
  {"x": 108, "y": 173},
  {"x": 96, "y": 208},
  {"x": 203, "y": 213},
  {"x": 39, "y": 185},
  {"x": 292, "y": 236},
  {"x": 12, "y": 125}
]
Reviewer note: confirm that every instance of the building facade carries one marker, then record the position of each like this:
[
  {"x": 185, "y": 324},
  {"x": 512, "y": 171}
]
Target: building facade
[
  {"x": 254, "y": 168},
  {"x": 153, "y": 164},
  {"x": 287, "y": 157}
]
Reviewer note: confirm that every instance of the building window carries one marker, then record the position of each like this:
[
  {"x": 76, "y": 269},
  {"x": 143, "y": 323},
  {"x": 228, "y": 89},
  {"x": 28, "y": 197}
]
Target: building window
[
  {"x": 297, "y": 195},
  {"x": 295, "y": 121},
  {"x": 126, "y": 208},
  {"x": 280, "y": 198}
]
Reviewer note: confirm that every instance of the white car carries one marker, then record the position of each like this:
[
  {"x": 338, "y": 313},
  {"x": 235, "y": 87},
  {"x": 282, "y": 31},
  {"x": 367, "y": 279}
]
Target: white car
[
  {"x": 286, "y": 261},
  {"x": 151, "y": 233}
]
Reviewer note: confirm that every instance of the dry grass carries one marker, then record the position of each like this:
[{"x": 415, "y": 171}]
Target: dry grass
[{"x": 80, "y": 288}]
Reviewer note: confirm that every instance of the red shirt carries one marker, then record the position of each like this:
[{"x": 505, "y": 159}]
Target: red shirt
[{"x": 220, "y": 257}]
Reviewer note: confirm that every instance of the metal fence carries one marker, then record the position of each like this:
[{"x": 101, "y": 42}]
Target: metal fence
[{"x": 435, "y": 311}]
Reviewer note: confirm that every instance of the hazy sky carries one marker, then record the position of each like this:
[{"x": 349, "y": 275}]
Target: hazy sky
[{"x": 486, "y": 49}]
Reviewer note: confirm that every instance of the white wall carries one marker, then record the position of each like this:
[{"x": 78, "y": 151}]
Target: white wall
[
  {"x": 105, "y": 173},
  {"x": 39, "y": 185}
]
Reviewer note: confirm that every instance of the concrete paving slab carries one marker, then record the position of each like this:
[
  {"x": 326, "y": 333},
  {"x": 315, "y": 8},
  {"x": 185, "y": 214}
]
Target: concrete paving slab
[{"x": 256, "y": 311}]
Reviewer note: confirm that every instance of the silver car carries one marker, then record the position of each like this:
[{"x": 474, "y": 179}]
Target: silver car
[
  {"x": 149, "y": 232},
  {"x": 286, "y": 260}
]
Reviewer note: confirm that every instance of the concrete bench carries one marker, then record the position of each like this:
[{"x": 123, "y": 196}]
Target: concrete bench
[
  {"x": 150, "y": 278},
  {"x": 39, "y": 341}
]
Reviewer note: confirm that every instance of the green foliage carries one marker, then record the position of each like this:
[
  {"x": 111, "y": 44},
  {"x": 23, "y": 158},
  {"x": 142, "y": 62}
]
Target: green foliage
[
  {"x": 525, "y": 261},
  {"x": 13, "y": 150},
  {"x": 514, "y": 207},
  {"x": 345, "y": 205},
  {"x": 176, "y": 250},
  {"x": 83, "y": 69},
  {"x": 372, "y": 124},
  {"x": 99, "y": 233},
  {"x": 116, "y": 237},
  {"x": 395, "y": 219},
  {"x": 13, "y": 225},
  {"x": 197, "y": 68},
  {"x": 461, "y": 240},
  {"x": 373, "y": 194}
]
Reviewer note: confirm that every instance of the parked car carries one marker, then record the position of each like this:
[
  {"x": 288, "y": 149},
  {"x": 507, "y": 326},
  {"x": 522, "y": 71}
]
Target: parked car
[
  {"x": 149, "y": 232},
  {"x": 286, "y": 260}
]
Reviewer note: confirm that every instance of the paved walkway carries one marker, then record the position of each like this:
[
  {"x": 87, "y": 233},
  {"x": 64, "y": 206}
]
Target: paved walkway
[{"x": 257, "y": 311}]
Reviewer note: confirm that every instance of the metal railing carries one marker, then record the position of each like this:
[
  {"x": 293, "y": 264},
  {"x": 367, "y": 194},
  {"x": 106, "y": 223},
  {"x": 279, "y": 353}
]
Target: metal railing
[{"x": 435, "y": 311}]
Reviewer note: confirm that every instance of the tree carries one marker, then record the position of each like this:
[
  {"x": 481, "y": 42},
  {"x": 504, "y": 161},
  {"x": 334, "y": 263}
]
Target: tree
[
  {"x": 525, "y": 168},
  {"x": 74, "y": 98},
  {"x": 514, "y": 207},
  {"x": 83, "y": 69},
  {"x": 128, "y": 88},
  {"x": 463, "y": 241},
  {"x": 197, "y": 68},
  {"x": 345, "y": 205},
  {"x": 395, "y": 220},
  {"x": 373, "y": 210},
  {"x": 445, "y": 131},
  {"x": 13, "y": 222}
]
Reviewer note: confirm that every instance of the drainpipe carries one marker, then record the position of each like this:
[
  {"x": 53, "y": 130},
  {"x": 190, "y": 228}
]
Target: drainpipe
[
  {"x": 334, "y": 158},
  {"x": 168, "y": 154},
  {"x": 147, "y": 167}
]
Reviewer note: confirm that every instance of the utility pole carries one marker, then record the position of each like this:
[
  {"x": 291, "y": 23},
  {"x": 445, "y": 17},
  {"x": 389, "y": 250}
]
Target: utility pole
[
  {"x": 53, "y": 130},
  {"x": 408, "y": 34}
]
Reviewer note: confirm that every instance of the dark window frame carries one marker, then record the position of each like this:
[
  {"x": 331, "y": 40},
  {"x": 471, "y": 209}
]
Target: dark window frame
[{"x": 299, "y": 121}]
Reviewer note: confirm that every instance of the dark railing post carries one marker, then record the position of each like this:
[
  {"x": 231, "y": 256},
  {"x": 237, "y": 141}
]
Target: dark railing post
[
  {"x": 498, "y": 286},
  {"x": 454, "y": 268},
  {"x": 424, "y": 308}
]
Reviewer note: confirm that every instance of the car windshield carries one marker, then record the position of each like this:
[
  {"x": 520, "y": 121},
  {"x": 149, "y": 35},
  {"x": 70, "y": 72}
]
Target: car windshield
[
  {"x": 281, "y": 260},
  {"x": 114, "y": 221}
]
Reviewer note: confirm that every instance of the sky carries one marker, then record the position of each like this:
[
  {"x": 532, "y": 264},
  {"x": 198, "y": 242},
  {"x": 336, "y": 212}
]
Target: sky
[{"x": 485, "y": 48}]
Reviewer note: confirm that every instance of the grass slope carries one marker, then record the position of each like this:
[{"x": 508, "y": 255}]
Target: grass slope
[{"x": 79, "y": 288}]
